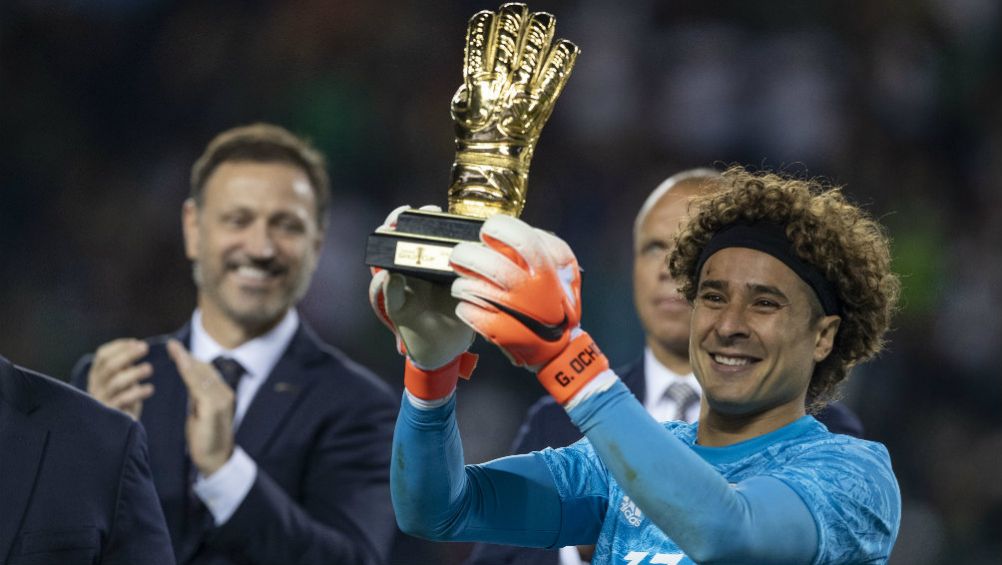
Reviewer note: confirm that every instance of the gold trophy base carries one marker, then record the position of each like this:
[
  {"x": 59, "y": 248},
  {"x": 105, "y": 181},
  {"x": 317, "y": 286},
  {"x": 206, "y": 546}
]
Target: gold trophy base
[{"x": 421, "y": 244}]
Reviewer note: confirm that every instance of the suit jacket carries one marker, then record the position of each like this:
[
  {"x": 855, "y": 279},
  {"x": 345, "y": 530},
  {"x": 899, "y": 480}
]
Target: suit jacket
[
  {"x": 547, "y": 425},
  {"x": 75, "y": 484},
  {"x": 319, "y": 430}
]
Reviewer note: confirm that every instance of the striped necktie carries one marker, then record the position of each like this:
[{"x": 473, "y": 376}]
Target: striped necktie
[{"x": 684, "y": 397}]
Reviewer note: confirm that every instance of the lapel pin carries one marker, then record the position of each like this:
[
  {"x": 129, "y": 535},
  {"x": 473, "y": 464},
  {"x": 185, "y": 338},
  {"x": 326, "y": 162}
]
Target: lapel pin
[{"x": 285, "y": 387}]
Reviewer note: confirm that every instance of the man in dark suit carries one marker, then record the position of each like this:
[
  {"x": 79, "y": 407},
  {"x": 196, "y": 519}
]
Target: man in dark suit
[
  {"x": 75, "y": 483},
  {"x": 662, "y": 379},
  {"x": 267, "y": 445}
]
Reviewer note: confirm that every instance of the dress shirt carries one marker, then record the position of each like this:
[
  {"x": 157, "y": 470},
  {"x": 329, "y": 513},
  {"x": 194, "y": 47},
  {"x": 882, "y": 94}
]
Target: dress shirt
[
  {"x": 658, "y": 379},
  {"x": 224, "y": 490}
]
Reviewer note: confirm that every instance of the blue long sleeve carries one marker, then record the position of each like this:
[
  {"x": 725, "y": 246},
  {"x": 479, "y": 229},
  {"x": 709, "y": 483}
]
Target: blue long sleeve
[
  {"x": 760, "y": 520},
  {"x": 797, "y": 495},
  {"x": 510, "y": 500}
]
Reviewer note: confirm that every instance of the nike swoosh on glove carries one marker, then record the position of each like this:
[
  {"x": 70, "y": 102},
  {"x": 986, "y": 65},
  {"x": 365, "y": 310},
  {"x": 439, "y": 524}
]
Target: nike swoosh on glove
[{"x": 521, "y": 289}]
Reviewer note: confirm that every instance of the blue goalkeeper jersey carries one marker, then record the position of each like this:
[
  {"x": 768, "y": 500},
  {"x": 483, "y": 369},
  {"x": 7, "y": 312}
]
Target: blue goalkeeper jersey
[{"x": 847, "y": 484}]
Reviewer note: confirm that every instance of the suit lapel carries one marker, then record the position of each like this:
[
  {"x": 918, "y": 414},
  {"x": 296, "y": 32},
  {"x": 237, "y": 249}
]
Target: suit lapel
[
  {"x": 288, "y": 380},
  {"x": 633, "y": 377},
  {"x": 21, "y": 448},
  {"x": 163, "y": 418},
  {"x": 165, "y": 413}
]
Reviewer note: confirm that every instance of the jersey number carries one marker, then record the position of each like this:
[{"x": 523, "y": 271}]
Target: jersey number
[{"x": 637, "y": 557}]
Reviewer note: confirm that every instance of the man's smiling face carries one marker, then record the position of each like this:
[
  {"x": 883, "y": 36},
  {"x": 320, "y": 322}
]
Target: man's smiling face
[
  {"x": 757, "y": 333},
  {"x": 254, "y": 241}
]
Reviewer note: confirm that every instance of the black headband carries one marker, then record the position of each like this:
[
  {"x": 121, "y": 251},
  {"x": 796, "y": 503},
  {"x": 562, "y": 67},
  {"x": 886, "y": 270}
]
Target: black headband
[{"x": 770, "y": 238}]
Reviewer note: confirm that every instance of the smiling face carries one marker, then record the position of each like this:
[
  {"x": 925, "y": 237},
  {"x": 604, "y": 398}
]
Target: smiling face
[
  {"x": 254, "y": 243},
  {"x": 757, "y": 333},
  {"x": 663, "y": 312}
]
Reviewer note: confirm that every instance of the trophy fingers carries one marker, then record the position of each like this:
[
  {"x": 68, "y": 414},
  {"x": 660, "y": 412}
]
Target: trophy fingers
[
  {"x": 507, "y": 34},
  {"x": 536, "y": 37},
  {"x": 473, "y": 102},
  {"x": 554, "y": 73},
  {"x": 477, "y": 55}
]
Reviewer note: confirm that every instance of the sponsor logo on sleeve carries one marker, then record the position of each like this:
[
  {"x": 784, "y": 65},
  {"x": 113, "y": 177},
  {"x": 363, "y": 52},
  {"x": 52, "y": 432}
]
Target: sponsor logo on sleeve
[{"x": 630, "y": 512}]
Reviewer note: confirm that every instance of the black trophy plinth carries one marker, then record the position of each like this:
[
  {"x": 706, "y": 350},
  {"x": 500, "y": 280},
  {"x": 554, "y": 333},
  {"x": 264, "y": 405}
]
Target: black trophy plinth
[{"x": 421, "y": 243}]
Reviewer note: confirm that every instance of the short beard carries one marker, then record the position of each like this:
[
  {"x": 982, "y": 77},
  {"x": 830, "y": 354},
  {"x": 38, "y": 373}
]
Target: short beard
[{"x": 257, "y": 320}]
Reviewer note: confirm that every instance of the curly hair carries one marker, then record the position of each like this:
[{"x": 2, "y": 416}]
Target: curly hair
[{"x": 850, "y": 249}]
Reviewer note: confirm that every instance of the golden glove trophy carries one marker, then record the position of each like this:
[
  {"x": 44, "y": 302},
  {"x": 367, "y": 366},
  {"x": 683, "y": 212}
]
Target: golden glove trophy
[{"x": 512, "y": 76}]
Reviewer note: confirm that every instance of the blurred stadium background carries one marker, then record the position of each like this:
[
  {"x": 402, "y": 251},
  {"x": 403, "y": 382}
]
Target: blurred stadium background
[{"x": 104, "y": 105}]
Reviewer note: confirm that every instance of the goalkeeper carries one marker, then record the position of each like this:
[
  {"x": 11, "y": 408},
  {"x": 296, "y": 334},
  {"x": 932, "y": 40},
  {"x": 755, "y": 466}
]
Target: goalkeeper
[{"x": 790, "y": 286}]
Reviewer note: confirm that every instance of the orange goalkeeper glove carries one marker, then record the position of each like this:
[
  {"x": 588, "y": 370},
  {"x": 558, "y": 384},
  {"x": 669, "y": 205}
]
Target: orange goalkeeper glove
[{"x": 521, "y": 289}]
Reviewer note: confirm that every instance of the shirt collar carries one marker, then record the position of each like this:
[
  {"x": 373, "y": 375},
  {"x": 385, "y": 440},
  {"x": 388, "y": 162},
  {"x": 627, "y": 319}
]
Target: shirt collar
[
  {"x": 658, "y": 378},
  {"x": 759, "y": 444},
  {"x": 257, "y": 356}
]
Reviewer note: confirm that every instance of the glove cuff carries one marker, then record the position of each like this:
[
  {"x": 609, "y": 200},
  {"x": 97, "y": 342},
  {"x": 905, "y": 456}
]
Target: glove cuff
[
  {"x": 438, "y": 383},
  {"x": 570, "y": 371}
]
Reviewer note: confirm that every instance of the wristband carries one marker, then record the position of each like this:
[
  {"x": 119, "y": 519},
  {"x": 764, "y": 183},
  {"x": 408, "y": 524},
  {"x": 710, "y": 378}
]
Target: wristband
[
  {"x": 438, "y": 383},
  {"x": 570, "y": 371}
]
